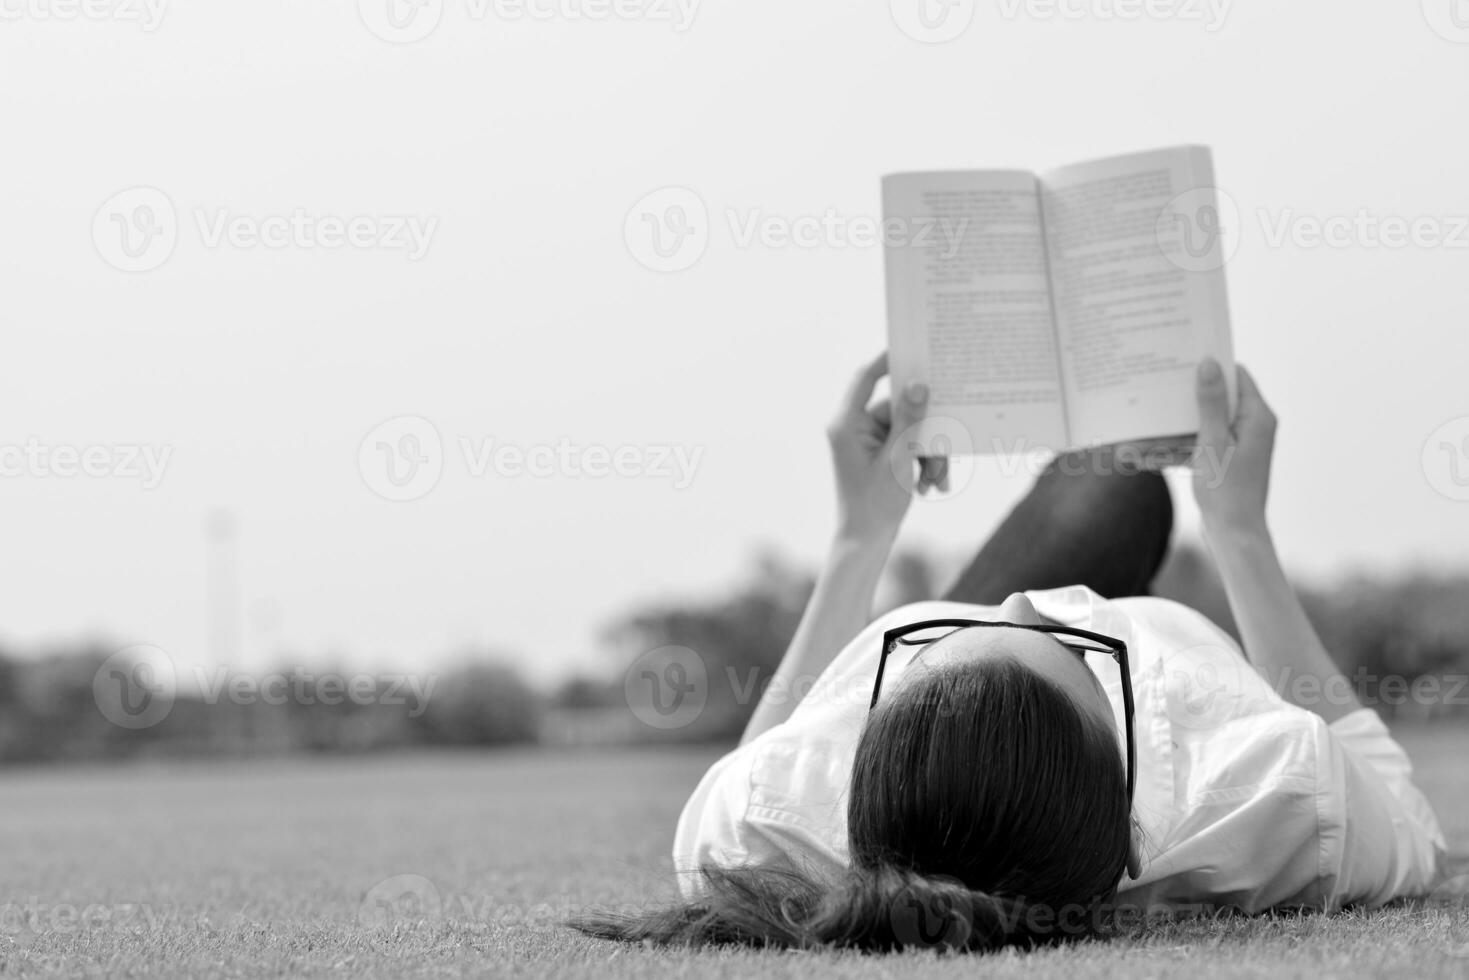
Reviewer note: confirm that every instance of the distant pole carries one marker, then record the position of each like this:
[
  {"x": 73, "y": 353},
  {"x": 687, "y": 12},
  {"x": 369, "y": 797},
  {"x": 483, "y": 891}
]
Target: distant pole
[{"x": 222, "y": 588}]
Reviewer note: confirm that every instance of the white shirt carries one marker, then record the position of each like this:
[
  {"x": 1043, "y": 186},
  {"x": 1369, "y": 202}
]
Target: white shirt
[{"x": 1242, "y": 799}]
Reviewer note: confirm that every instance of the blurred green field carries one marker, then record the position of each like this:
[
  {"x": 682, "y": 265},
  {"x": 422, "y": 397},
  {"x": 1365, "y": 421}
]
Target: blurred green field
[{"x": 273, "y": 868}]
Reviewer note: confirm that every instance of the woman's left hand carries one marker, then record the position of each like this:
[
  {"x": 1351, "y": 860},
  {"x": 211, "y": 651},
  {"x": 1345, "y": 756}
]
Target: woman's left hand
[{"x": 872, "y": 495}]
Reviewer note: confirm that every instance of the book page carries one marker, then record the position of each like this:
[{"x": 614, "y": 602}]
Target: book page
[
  {"x": 1138, "y": 286},
  {"x": 969, "y": 310}
]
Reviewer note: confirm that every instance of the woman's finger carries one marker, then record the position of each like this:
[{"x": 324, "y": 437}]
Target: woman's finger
[
  {"x": 877, "y": 421},
  {"x": 1253, "y": 413},
  {"x": 860, "y": 391},
  {"x": 1213, "y": 400},
  {"x": 909, "y": 407}
]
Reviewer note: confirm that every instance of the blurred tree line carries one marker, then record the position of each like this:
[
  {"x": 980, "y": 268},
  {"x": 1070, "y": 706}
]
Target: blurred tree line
[
  {"x": 49, "y": 710},
  {"x": 721, "y": 651}
]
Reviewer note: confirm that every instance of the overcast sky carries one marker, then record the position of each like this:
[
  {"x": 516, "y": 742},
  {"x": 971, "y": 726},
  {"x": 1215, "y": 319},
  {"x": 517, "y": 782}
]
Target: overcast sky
[{"x": 499, "y": 284}]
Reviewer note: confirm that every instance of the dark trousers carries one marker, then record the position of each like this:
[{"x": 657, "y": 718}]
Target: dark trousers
[{"x": 1090, "y": 519}]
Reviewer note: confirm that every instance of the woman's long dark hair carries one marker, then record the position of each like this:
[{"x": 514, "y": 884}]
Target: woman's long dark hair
[{"x": 986, "y": 809}]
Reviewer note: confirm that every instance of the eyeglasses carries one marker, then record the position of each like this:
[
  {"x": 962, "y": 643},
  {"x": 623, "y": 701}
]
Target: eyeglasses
[{"x": 1081, "y": 642}]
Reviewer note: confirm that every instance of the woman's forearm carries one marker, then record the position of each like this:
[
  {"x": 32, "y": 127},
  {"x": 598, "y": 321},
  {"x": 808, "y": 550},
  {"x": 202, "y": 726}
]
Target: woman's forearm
[
  {"x": 1278, "y": 637},
  {"x": 869, "y": 453},
  {"x": 840, "y": 607}
]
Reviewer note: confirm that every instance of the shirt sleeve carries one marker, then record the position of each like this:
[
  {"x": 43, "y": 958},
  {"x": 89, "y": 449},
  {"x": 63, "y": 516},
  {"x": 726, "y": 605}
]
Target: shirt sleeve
[
  {"x": 710, "y": 827},
  {"x": 775, "y": 803},
  {"x": 1392, "y": 842}
]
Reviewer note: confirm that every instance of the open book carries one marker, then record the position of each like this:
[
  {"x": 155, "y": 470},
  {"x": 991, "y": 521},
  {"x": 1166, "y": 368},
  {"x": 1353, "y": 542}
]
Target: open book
[{"x": 1056, "y": 310}]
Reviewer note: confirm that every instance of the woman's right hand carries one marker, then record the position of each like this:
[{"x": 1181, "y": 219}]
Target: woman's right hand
[
  {"x": 1232, "y": 460},
  {"x": 1231, "y": 482}
]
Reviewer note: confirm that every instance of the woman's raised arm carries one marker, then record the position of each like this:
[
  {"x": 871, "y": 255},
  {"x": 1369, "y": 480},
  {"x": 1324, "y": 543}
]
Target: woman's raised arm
[
  {"x": 871, "y": 501},
  {"x": 1231, "y": 483}
]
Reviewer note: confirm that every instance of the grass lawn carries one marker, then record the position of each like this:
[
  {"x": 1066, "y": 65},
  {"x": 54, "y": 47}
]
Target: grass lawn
[{"x": 273, "y": 868}]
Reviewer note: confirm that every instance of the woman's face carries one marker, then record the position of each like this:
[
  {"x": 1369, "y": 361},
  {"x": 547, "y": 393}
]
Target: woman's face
[{"x": 1040, "y": 652}]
